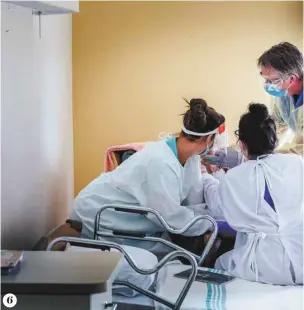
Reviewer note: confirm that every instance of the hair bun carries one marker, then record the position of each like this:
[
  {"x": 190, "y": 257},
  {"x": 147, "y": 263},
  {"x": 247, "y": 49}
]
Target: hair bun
[
  {"x": 259, "y": 110},
  {"x": 198, "y": 104}
]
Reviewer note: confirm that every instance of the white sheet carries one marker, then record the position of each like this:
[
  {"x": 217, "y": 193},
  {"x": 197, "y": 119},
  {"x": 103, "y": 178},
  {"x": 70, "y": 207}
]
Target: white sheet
[{"x": 235, "y": 295}]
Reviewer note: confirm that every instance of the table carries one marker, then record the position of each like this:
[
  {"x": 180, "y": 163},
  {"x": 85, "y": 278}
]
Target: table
[{"x": 63, "y": 280}]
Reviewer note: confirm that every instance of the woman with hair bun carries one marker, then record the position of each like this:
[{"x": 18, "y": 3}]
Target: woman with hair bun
[
  {"x": 262, "y": 199},
  {"x": 165, "y": 176}
]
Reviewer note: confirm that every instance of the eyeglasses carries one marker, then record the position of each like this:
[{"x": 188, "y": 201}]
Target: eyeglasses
[
  {"x": 237, "y": 133},
  {"x": 274, "y": 82}
]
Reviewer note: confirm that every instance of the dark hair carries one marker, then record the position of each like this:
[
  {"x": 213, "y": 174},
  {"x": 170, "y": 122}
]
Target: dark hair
[
  {"x": 285, "y": 58},
  {"x": 258, "y": 130},
  {"x": 200, "y": 118}
]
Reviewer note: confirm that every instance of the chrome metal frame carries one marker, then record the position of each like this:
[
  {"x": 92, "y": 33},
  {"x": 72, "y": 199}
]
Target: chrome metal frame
[
  {"x": 144, "y": 211},
  {"x": 105, "y": 245}
]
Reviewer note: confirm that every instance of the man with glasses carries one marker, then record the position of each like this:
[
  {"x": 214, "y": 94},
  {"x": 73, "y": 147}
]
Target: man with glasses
[{"x": 282, "y": 68}]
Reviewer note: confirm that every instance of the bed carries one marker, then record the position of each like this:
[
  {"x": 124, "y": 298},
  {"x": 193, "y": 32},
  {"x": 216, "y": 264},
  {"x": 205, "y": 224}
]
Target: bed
[{"x": 166, "y": 291}]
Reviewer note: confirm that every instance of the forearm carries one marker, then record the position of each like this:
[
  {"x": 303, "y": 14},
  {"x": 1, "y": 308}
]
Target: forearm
[
  {"x": 288, "y": 148},
  {"x": 211, "y": 196},
  {"x": 295, "y": 146}
]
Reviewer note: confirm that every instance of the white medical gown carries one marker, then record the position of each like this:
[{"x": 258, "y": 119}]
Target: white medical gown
[
  {"x": 269, "y": 242},
  {"x": 152, "y": 178}
]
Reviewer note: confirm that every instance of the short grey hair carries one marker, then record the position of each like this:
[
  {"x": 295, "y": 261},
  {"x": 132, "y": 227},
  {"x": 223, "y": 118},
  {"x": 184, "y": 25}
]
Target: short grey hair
[{"x": 285, "y": 58}]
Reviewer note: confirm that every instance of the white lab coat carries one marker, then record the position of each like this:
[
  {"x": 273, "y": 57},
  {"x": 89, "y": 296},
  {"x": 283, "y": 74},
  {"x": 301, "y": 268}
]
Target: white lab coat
[
  {"x": 269, "y": 244},
  {"x": 152, "y": 178}
]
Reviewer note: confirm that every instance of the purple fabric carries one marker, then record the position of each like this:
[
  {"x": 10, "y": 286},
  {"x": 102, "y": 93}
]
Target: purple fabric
[
  {"x": 225, "y": 229},
  {"x": 268, "y": 198}
]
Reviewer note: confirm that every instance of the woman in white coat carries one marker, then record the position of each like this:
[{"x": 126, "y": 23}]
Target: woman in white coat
[
  {"x": 262, "y": 199},
  {"x": 165, "y": 176}
]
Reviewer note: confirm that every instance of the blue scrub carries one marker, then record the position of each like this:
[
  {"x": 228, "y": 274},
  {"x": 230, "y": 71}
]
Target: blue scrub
[
  {"x": 172, "y": 145},
  {"x": 299, "y": 101},
  {"x": 223, "y": 227}
]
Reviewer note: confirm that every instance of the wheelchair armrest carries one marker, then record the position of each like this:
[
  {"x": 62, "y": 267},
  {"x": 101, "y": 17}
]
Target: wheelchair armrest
[
  {"x": 131, "y": 211},
  {"x": 70, "y": 228},
  {"x": 128, "y": 234},
  {"x": 85, "y": 243},
  {"x": 77, "y": 225},
  {"x": 142, "y": 210},
  {"x": 91, "y": 246}
]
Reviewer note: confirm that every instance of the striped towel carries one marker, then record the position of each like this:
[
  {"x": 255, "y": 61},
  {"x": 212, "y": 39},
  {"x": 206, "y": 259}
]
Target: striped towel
[{"x": 237, "y": 294}]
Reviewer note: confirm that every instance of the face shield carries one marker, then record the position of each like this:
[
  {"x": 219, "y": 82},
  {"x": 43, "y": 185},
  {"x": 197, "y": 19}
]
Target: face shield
[{"x": 220, "y": 140}]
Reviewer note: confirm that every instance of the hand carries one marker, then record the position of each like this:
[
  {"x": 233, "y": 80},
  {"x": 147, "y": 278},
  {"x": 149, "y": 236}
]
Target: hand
[
  {"x": 206, "y": 168},
  {"x": 212, "y": 168}
]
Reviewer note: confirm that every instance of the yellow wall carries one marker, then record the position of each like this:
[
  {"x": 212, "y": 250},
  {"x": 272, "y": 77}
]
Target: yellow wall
[{"x": 133, "y": 61}]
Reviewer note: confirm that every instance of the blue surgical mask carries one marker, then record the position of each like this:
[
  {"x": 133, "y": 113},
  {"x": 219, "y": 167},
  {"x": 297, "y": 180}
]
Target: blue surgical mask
[
  {"x": 274, "y": 90},
  {"x": 207, "y": 150}
]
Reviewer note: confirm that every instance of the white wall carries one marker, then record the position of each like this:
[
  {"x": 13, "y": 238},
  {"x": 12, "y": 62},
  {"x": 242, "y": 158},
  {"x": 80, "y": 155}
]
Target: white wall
[{"x": 37, "y": 137}]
